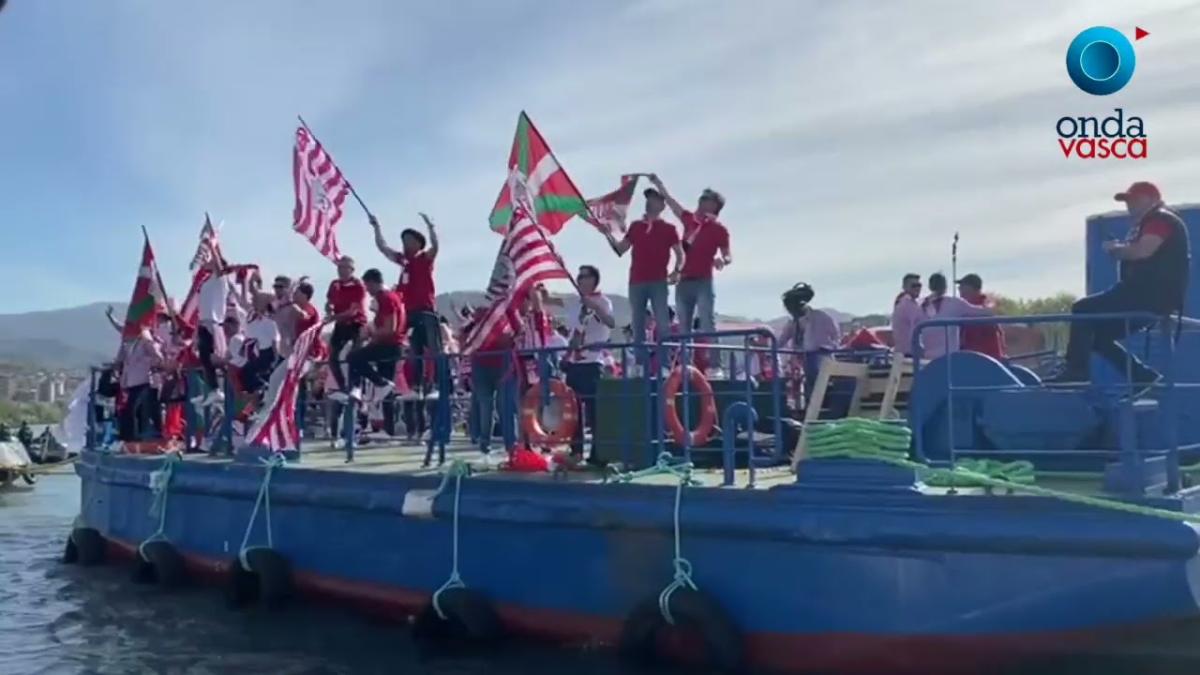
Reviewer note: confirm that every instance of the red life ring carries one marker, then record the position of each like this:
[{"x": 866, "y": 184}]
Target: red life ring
[
  {"x": 708, "y": 406},
  {"x": 531, "y": 406}
]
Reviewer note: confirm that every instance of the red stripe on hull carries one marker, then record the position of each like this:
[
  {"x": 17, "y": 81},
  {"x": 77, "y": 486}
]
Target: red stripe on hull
[{"x": 848, "y": 653}]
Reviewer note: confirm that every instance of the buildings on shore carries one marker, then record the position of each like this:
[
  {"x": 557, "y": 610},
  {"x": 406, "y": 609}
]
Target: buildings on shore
[{"x": 37, "y": 386}]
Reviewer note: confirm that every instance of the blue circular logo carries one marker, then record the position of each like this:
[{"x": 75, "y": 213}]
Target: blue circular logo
[{"x": 1100, "y": 60}]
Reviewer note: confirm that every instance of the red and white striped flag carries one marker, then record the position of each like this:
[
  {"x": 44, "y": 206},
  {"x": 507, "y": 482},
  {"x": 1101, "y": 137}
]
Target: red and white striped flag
[
  {"x": 209, "y": 246},
  {"x": 525, "y": 260},
  {"x": 274, "y": 426},
  {"x": 609, "y": 213},
  {"x": 321, "y": 191}
]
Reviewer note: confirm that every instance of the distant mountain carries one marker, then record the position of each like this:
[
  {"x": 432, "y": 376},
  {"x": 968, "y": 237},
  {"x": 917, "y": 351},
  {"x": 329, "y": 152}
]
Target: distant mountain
[
  {"x": 62, "y": 338},
  {"x": 81, "y": 336}
]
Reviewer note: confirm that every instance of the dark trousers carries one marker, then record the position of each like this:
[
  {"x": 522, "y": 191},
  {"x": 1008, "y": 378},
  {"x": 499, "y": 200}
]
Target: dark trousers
[
  {"x": 425, "y": 337},
  {"x": 257, "y": 370},
  {"x": 494, "y": 391},
  {"x": 205, "y": 346},
  {"x": 343, "y": 334},
  {"x": 1102, "y": 336},
  {"x": 414, "y": 418},
  {"x": 584, "y": 379},
  {"x": 142, "y": 415},
  {"x": 374, "y": 362}
]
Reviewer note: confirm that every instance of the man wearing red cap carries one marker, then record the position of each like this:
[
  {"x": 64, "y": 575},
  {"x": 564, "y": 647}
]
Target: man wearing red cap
[{"x": 1153, "y": 261}]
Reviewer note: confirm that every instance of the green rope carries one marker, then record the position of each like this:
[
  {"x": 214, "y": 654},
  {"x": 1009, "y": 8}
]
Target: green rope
[
  {"x": 264, "y": 497},
  {"x": 160, "y": 484},
  {"x": 666, "y": 465},
  {"x": 457, "y": 469},
  {"x": 1014, "y": 476}
]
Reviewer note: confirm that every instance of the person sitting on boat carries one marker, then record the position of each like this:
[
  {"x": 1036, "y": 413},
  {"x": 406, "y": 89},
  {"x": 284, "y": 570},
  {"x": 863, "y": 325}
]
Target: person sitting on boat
[
  {"x": 706, "y": 250},
  {"x": 984, "y": 338},
  {"x": 346, "y": 305},
  {"x": 417, "y": 289},
  {"x": 812, "y": 331},
  {"x": 651, "y": 241},
  {"x": 937, "y": 305},
  {"x": 906, "y": 314},
  {"x": 1154, "y": 263},
  {"x": 376, "y": 360},
  {"x": 25, "y": 434},
  {"x": 590, "y": 317}
]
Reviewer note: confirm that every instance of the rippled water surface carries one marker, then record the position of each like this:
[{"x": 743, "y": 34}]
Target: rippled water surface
[{"x": 57, "y": 618}]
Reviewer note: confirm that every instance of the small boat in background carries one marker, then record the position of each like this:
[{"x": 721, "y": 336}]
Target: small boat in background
[{"x": 15, "y": 468}]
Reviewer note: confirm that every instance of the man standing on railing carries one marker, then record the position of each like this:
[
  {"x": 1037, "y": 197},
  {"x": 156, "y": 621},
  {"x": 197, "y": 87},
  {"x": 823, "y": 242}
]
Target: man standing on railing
[
  {"x": 1154, "y": 262},
  {"x": 591, "y": 322},
  {"x": 652, "y": 240},
  {"x": 706, "y": 248},
  {"x": 376, "y": 360},
  {"x": 346, "y": 305},
  {"x": 417, "y": 289}
]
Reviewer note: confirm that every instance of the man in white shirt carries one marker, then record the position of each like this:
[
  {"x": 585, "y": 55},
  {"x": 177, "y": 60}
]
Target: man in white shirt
[
  {"x": 590, "y": 320},
  {"x": 214, "y": 294},
  {"x": 262, "y": 344}
]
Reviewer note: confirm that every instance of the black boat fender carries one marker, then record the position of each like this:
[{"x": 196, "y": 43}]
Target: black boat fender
[
  {"x": 466, "y": 616},
  {"x": 261, "y": 574},
  {"x": 29, "y": 477},
  {"x": 158, "y": 562},
  {"x": 691, "y": 610},
  {"x": 84, "y": 546}
]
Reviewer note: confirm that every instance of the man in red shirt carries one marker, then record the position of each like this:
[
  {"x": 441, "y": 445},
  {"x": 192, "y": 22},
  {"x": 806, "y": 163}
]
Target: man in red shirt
[
  {"x": 983, "y": 338},
  {"x": 1154, "y": 264},
  {"x": 346, "y": 306},
  {"x": 376, "y": 360},
  {"x": 417, "y": 289},
  {"x": 706, "y": 248},
  {"x": 652, "y": 240}
]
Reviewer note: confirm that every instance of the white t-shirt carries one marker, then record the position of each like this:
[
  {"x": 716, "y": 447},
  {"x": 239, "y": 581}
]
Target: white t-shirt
[
  {"x": 214, "y": 293},
  {"x": 582, "y": 320},
  {"x": 263, "y": 333},
  {"x": 237, "y": 355}
]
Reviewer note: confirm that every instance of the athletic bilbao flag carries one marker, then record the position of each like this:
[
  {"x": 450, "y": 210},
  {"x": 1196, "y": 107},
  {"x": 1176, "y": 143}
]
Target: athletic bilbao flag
[
  {"x": 525, "y": 260},
  {"x": 149, "y": 298},
  {"x": 608, "y": 213},
  {"x": 321, "y": 191},
  {"x": 208, "y": 248},
  {"x": 275, "y": 425},
  {"x": 554, "y": 199}
]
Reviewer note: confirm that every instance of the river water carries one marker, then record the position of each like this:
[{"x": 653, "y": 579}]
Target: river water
[{"x": 57, "y": 618}]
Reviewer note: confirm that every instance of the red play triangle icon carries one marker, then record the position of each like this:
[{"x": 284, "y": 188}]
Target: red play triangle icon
[{"x": 1138, "y": 33}]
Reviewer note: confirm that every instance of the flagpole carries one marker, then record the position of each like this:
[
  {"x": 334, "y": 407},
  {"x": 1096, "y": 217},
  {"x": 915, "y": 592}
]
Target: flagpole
[
  {"x": 348, "y": 184},
  {"x": 954, "y": 263},
  {"x": 161, "y": 285}
]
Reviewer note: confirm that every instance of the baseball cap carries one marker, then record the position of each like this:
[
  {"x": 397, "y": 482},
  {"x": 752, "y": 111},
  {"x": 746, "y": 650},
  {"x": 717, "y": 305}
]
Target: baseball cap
[
  {"x": 651, "y": 192},
  {"x": 971, "y": 280},
  {"x": 1140, "y": 189}
]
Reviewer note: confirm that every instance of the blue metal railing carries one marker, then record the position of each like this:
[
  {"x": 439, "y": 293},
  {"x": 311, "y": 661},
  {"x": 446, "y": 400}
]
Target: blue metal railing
[{"x": 1131, "y": 457}]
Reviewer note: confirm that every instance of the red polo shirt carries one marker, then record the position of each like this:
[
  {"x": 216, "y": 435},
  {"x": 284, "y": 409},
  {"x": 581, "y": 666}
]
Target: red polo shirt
[
  {"x": 650, "y": 251},
  {"x": 345, "y": 295},
  {"x": 416, "y": 282},
  {"x": 388, "y": 305},
  {"x": 985, "y": 339},
  {"x": 703, "y": 236}
]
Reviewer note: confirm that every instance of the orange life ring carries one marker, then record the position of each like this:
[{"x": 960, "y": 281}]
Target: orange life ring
[
  {"x": 708, "y": 406},
  {"x": 531, "y": 407}
]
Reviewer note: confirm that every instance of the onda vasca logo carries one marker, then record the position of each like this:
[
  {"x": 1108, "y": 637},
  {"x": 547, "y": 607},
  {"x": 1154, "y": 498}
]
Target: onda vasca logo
[
  {"x": 1117, "y": 136},
  {"x": 1101, "y": 61}
]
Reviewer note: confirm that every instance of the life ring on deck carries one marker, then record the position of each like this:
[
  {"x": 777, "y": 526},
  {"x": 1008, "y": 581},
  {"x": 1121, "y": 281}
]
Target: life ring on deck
[
  {"x": 693, "y": 611},
  {"x": 708, "y": 407},
  {"x": 531, "y": 408},
  {"x": 470, "y": 618}
]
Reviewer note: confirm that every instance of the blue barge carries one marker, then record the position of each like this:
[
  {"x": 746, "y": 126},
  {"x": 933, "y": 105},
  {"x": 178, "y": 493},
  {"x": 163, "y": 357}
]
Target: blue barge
[{"x": 854, "y": 563}]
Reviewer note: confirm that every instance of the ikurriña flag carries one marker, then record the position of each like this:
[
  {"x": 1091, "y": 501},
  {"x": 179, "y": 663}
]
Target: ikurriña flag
[{"x": 554, "y": 199}]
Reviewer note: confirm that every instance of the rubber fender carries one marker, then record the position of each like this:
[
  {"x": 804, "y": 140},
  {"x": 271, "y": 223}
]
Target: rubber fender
[
  {"x": 88, "y": 546},
  {"x": 241, "y": 586},
  {"x": 29, "y": 478},
  {"x": 274, "y": 575},
  {"x": 692, "y": 610},
  {"x": 159, "y": 563},
  {"x": 470, "y": 618}
]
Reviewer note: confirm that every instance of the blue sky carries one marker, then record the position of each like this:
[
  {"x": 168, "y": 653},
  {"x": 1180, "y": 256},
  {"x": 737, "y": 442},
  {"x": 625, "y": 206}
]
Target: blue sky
[{"x": 851, "y": 139}]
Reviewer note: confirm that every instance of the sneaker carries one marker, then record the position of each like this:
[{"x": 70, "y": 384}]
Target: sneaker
[
  {"x": 338, "y": 396},
  {"x": 355, "y": 395},
  {"x": 200, "y": 399},
  {"x": 384, "y": 391},
  {"x": 430, "y": 395},
  {"x": 486, "y": 460}
]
